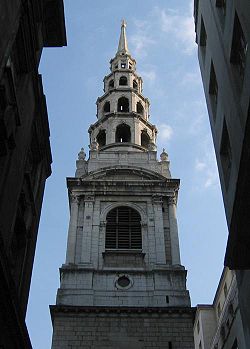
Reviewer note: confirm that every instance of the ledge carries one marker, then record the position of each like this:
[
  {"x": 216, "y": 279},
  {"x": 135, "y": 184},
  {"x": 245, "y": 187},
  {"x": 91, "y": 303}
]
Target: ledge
[
  {"x": 123, "y": 252},
  {"x": 56, "y": 309}
]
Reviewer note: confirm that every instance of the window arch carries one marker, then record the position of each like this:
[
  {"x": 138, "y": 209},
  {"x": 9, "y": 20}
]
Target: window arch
[
  {"x": 123, "y": 81},
  {"x": 123, "y": 229},
  {"x": 106, "y": 107},
  {"x": 145, "y": 139},
  {"x": 139, "y": 108},
  {"x": 135, "y": 85},
  {"x": 101, "y": 138},
  {"x": 123, "y": 105},
  {"x": 123, "y": 134},
  {"x": 111, "y": 84}
]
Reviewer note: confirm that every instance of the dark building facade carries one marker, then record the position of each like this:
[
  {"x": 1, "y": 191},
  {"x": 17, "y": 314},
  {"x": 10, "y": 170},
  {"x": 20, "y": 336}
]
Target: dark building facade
[
  {"x": 25, "y": 157},
  {"x": 223, "y": 35}
]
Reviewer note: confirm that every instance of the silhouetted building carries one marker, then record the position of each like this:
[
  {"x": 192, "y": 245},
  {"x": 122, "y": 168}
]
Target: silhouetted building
[
  {"x": 25, "y": 156},
  {"x": 223, "y": 34}
]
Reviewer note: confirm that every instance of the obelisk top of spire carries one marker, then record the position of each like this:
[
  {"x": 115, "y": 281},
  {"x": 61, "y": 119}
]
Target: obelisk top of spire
[{"x": 123, "y": 45}]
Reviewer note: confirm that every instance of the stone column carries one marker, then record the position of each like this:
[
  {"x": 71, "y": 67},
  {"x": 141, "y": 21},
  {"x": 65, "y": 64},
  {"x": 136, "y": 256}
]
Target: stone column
[
  {"x": 137, "y": 133},
  {"x": 71, "y": 245},
  {"x": 175, "y": 249}
]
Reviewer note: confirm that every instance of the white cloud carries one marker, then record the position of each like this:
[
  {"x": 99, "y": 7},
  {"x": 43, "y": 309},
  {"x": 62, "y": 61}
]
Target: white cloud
[
  {"x": 165, "y": 132},
  {"x": 191, "y": 78},
  {"x": 180, "y": 26},
  {"x": 206, "y": 166},
  {"x": 148, "y": 75},
  {"x": 141, "y": 40},
  {"x": 199, "y": 165}
]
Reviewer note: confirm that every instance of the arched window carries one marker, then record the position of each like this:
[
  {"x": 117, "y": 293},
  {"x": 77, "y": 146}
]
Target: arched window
[
  {"x": 111, "y": 84},
  {"x": 145, "y": 139},
  {"x": 123, "y": 81},
  {"x": 106, "y": 107},
  {"x": 123, "y": 229},
  {"x": 101, "y": 138},
  {"x": 139, "y": 108},
  {"x": 123, "y": 105},
  {"x": 123, "y": 134},
  {"x": 135, "y": 85}
]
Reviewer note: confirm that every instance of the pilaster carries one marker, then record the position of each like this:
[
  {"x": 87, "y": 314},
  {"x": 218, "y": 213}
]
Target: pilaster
[
  {"x": 159, "y": 230},
  {"x": 87, "y": 229},
  {"x": 72, "y": 232},
  {"x": 175, "y": 249}
]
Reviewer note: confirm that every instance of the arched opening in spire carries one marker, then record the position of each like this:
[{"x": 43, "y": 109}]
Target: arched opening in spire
[
  {"x": 123, "y": 105},
  {"x": 111, "y": 84},
  {"x": 123, "y": 81},
  {"x": 123, "y": 134},
  {"x": 123, "y": 229},
  {"x": 139, "y": 108},
  {"x": 135, "y": 85},
  {"x": 106, "y": 107},
  {"x": 145, "y": 139},
  {"x": 101, "y": 138}
]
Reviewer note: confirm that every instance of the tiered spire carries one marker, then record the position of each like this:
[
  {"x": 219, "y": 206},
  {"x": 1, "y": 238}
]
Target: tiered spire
[{"x": 123, "y": 45}]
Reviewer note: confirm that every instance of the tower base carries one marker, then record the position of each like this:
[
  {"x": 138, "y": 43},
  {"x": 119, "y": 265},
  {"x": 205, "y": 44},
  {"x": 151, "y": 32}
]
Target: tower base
[{"x": 122, "y": 327}]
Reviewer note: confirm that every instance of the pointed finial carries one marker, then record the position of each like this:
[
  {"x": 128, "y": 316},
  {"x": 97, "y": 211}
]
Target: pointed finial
[
  {"x": 123, "y": 45},
  {"x": 124, "y": 24},
  {"x": 81, "y": 154},
  {"x": 164, "y": 155}
]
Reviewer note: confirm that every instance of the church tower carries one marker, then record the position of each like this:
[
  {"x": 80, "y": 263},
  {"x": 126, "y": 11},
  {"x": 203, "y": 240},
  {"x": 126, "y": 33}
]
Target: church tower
[{"x": 122, "y": 285}]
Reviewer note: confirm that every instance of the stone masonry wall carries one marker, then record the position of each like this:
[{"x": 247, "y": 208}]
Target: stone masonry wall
[{"x": 123, "y": 329}]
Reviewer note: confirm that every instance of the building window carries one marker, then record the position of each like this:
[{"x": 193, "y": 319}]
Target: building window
[
  {"x": 226, "y": 154},
  {"x": 218, "y": 310},
  {"x": 135, "y": 85},
  {"x": 231, "y": 309},
  {"x": 123, "y": 134},
  {"x": 225, "y": 290},
  {"x": 123, "y": 105},
  {"x": 200, "y": 345},
  {"x": 239, "y": 46},
  {"x": 145, "y": 139},
  {"x": 123, "y": 281},
  {"x": 123, "y": 81},
  {"x": 213, "y": 90},
  {"x": 203, "y": 34},
  {"x": 198, "y": 326},
  {"x": 123, "y": 229},
  {"x": 123, "y": 65},
  {"x": 139, "y": 108},
  {"x": 170, "y": 345},
  {"x": 101, "y": 138},
  {"x": 222, "y": 4},
  {"x": 106, "y": 107},
  {"x": 223, "y": 333},
  {"x": 235, "y": 345},
  {"x": 111, "y": 84}
]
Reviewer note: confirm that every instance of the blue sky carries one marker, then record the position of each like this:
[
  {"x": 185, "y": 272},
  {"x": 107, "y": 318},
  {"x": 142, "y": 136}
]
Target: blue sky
[{"x": 161, "y": 38}]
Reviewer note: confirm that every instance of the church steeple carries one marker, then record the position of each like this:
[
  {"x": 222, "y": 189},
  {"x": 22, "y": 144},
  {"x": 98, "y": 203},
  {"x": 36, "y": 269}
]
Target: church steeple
[
  {"x": 122, "y": 285},
  {"x": 123, "y": 44},
  {"x": 122, "y": 111}
]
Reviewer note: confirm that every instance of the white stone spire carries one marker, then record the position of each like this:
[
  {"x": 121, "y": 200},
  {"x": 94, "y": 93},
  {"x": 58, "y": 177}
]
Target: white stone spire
[{"x": 123, "y": 44}]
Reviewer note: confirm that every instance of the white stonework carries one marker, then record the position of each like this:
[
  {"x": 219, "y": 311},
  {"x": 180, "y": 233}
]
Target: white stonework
[{"x": 123, "y": 172}]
